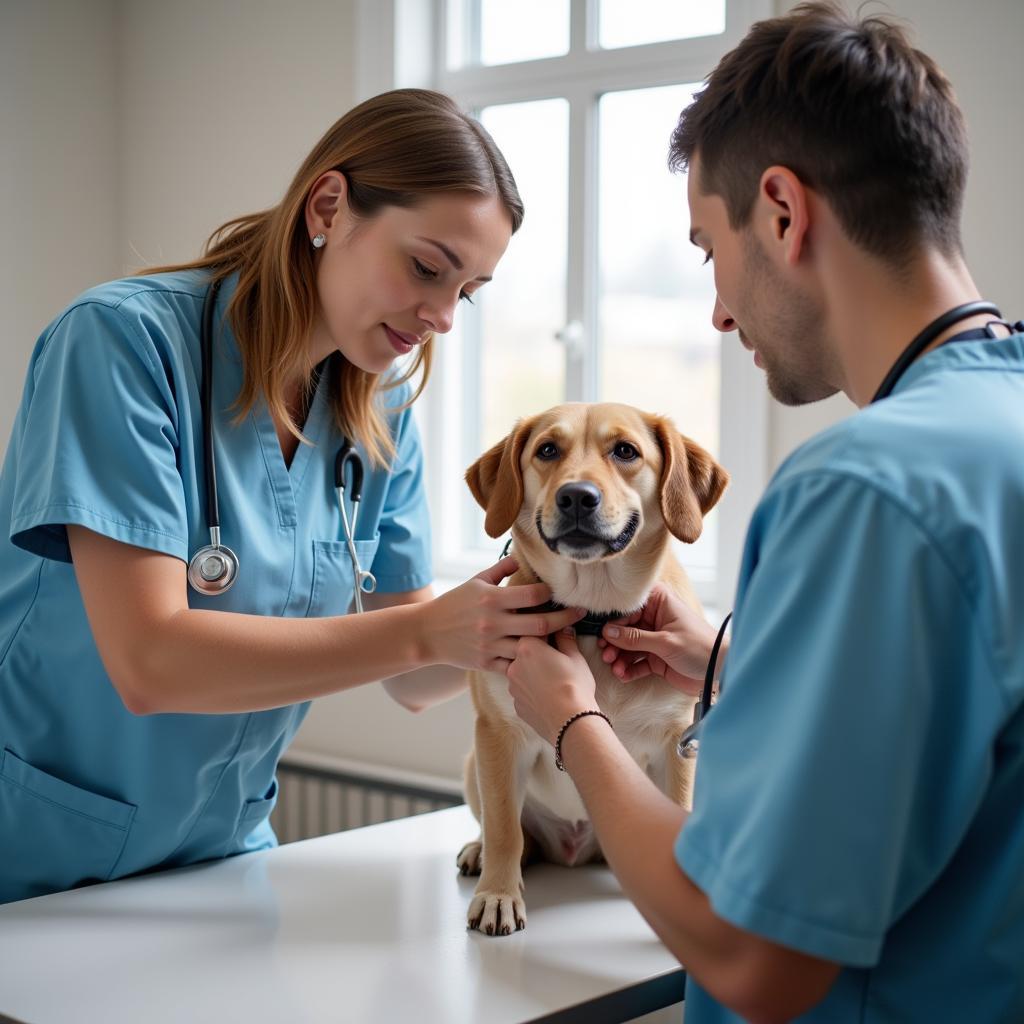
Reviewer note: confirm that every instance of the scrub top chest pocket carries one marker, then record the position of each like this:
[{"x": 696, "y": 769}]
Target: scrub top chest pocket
[{"x": 333, "y": 578}]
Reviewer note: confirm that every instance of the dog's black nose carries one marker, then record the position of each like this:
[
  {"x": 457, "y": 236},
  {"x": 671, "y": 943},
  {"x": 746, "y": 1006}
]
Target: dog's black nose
[{"x": 579, "y": 499}]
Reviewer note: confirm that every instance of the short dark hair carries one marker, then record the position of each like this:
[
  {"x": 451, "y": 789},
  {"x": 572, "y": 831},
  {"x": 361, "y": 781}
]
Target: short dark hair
[{"x": 855, "y": 111}]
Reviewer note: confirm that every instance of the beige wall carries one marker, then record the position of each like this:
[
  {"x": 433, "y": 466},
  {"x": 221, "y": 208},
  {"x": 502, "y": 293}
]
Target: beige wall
[
  {"x": 131, "y": 128},
  {"x": 220, "y": 101},
  {"x": 58, "y": 169}
]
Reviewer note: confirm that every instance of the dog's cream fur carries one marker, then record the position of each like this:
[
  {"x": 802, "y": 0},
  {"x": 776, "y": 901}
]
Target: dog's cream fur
[{"x": 523, "y": 803}]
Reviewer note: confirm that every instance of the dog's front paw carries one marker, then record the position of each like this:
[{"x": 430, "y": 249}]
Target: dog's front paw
[
  {"x": 497, "y": 913},
  {"x": 469, "y": 859}
]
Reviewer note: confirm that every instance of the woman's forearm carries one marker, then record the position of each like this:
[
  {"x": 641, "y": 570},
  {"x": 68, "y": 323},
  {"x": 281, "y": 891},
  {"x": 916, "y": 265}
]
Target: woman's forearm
[
  {"x": 220, "y": 662},
  {"x": 163, "y": 656},
  {"x": 422, "y": 688}
]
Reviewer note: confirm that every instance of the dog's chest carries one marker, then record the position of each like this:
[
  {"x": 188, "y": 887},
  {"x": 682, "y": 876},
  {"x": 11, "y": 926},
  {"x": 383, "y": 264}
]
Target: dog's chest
[
  {"x": 643, "y": 712},
  {"x": 645, "y": 715}
]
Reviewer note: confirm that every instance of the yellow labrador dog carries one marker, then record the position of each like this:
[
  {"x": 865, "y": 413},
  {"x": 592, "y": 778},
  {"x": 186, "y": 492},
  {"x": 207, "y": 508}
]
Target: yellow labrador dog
[{"x": 592, "y": 494}]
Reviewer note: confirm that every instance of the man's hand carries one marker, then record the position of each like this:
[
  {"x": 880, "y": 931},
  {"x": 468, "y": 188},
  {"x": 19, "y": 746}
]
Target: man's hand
[
  {"x": 548, "y": 685},
  {"x": 665, "y": 638}
]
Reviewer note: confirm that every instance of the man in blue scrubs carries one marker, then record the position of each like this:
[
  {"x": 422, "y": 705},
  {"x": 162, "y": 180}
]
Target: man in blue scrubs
[{"x": 856, "y": 846}]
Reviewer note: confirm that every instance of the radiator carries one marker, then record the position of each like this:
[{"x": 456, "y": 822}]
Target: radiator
[{"x": 317, "y": 796}]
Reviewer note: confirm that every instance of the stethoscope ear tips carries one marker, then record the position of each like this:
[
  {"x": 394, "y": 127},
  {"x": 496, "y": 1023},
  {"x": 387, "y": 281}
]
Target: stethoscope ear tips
[{"x": 213, "y": 569}]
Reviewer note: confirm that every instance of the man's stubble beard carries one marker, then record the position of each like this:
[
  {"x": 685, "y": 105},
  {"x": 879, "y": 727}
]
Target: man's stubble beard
[{"x": 793, "y": 323}]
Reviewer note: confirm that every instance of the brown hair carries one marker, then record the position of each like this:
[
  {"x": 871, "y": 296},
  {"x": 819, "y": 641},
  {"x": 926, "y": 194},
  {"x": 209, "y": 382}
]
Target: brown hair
[
  {"x": 853, "y": 110},
  {"x": 394, "y": 150}
]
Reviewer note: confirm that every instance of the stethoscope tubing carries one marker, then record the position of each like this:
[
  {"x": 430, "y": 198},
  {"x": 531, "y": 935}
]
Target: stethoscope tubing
[
  {"x": 349, "y": 459},
  {"x": 206, "y": 408},
  {"x": 927, "y": 335},
  {"x": 214, "y": 568}
]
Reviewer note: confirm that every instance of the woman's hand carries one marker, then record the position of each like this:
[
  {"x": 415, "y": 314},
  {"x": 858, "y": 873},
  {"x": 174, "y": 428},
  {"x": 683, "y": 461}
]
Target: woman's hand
[
  {"x": 549, "y": 686},
  {"x": 665, "y": 638},
  {"x": 477, "y": 626}
]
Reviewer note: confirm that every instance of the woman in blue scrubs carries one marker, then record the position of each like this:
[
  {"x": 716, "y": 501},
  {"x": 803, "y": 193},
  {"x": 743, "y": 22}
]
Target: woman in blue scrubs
[{"x": 140, "y": 721}]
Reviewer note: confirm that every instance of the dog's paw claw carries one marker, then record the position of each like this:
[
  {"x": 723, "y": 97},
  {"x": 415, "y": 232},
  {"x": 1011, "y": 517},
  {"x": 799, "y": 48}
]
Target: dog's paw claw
[
  {"x": 497, "y": 913},
  {"x": 469, "y": 858}
]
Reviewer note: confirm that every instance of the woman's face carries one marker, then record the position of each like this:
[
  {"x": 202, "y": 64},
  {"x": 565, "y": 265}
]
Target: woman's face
[{"x": 386, "y": 283}]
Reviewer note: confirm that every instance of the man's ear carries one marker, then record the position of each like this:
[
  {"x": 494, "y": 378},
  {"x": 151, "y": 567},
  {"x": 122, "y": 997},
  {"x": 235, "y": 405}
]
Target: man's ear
[
  {"x": 496, "y": 480},
  {"x": 691, "y": 481},
  {"x": 782, "y": 198}
]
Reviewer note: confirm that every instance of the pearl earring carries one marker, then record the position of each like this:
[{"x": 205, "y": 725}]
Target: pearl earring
[{"x": 319, "y": 241}]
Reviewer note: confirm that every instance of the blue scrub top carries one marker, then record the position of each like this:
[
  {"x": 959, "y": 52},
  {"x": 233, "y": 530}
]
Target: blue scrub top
[
  {"x": 109, "y": 436},
  {"x": 860, "y": 786}
]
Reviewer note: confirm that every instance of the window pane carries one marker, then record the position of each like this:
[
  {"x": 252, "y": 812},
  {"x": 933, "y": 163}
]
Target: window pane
[
  {"x": 500, "y": 32},
  {"x": 634, "y": 22},
  {"x": 523, "y": 366},
  {"x": 659, "y": 350}
]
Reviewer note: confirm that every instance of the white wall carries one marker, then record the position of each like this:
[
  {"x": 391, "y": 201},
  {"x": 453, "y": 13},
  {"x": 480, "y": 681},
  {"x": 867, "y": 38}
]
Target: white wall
[
  {"x": 220, "y": 102},
  {"x": 978, "y": 45},
  {"x": 129, "y": 129},
  {"x": 58, "y": 169}
]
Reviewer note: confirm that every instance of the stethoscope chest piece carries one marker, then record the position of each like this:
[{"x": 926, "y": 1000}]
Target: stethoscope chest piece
[{"x": 213, "y": 569}]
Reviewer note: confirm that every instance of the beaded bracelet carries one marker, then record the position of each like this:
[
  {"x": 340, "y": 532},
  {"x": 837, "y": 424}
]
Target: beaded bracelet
[{"x": 561, "y": 732}]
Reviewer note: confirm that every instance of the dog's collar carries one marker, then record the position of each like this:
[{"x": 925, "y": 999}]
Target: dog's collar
[{"x": 590, "y": 625}]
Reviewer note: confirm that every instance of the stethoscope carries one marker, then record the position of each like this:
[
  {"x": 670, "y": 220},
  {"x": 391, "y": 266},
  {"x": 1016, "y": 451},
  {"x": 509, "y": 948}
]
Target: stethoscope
[
  {"x": 688, "y": 741},
  {"x": 348, "y": 457},
  {"x": 214, "y": 567},
  {"x": 934, "y": 329}
]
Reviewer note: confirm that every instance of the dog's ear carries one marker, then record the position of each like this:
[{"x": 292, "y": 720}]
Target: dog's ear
[
  {"x": 496, "y": 480},
  {"x": 691, "y": 481}
]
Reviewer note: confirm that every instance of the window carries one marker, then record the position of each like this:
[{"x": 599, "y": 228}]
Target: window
[
  {"x": 493, "y": 32},
  {"x": 633, "y": 22},
  {"x": 600, "y": 296}
]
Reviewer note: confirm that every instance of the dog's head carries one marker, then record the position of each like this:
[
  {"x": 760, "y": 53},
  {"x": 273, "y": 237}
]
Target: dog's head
[{"x": 589, "y": 483}]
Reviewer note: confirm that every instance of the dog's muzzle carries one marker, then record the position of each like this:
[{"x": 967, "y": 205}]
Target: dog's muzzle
[{"x": 579, "y": 527}]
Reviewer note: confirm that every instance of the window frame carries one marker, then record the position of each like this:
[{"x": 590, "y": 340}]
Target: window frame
[{"x": 403, "y": 43}]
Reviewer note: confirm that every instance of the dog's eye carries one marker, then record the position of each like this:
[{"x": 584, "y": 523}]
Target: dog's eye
[
  {"x": 625, "y": 452},
  {"x": 547, "y": 450}
]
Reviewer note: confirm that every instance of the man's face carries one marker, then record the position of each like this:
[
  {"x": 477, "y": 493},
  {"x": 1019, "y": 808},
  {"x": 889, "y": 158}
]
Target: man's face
[{"x": 774, "y": 318}]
